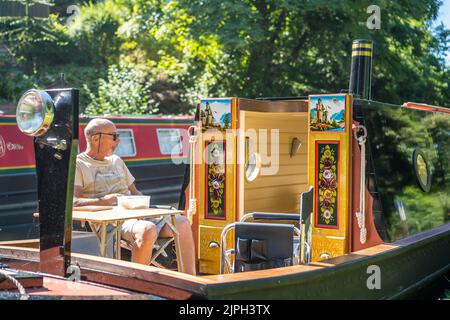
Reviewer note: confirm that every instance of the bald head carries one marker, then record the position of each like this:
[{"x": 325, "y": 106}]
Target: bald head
[{"x": 95, "y": 126}]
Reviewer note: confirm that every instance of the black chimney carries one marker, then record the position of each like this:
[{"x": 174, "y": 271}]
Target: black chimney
[{"x": 361, "y": 72}]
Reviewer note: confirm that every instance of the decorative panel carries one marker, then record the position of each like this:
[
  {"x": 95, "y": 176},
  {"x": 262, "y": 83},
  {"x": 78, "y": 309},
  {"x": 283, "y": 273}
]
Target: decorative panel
[
  {"x": 215, "y": 180},
  {"x": 327, "y": 184},
  {"x": 327, "y": 113},
  {"x": 215, "y": 114}
]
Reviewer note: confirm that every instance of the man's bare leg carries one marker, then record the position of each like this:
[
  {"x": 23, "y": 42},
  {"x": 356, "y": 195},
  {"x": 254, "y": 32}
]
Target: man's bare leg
[
  {"x": 145, "y": 234},
  {"x": 186, "y": 242}
]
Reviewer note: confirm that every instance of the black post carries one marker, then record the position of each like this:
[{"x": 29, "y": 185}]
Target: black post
[
  {"x": 361, "y": 71},
  {"x": 55, "y": 169}
]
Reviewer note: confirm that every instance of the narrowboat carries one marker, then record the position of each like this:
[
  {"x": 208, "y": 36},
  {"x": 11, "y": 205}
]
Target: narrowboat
[
  {"x": 148, "y": 145},
  {"x": 328, "y": 196}
]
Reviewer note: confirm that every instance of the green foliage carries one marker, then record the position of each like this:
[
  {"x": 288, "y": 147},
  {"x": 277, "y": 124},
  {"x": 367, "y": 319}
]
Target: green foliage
[
  {"x": 246, "y": 48},
  {"x": 424, "y": 212},
  {"x": 12, "y": 85},
  {"x": 30, "y": 41},
  {"x": 94, "y": 32},
  {"x": 75, "y": 75},
  {"x": 293, "y": 47},
  {"x": 395, "y": 135},
  {"x": 125, "y": 91}
]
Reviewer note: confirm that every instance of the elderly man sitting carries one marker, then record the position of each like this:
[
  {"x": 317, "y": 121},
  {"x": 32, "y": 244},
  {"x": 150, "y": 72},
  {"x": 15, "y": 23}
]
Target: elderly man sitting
[{"x": 101, "y": 176}]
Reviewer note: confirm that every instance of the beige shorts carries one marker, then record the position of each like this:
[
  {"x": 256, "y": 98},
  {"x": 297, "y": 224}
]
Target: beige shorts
[{"x": 127, "y": 233}]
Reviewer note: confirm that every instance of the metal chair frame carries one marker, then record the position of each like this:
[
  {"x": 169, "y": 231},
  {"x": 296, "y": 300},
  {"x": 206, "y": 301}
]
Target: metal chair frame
[
  {"x": 161, "y": 243},
  {"x": 305, "y": 256},
  {"x": 304, "y": 248},
  {"x": 225, "y": 253}
]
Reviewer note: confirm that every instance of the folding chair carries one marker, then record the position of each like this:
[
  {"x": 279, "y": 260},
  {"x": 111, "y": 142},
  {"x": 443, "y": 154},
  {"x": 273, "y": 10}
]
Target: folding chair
[
  {"x": 258, "y": 246},
  {"x": 163, "y": 252},
  {"x": 302, "y": 243}
]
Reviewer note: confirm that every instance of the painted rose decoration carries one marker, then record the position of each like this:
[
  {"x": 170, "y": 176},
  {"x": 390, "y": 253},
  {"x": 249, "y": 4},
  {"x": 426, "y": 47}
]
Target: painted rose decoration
[
  {"x": 327, "y": 190},
  {"x": 216, "y": 179}
]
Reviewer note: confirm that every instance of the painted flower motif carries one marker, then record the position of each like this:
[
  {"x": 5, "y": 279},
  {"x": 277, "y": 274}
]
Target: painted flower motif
[
  {"x": 215, "y": 204},
  {"x": 332, "y": 184},
  {"x": 326, "y": 203},
  {"x": 323, "y": 184},
  {"x": 216, "y": 189},
  {"x": 216, "y": 180},
  {"x": 216, "y": 175},
  {"x": 328, "y": 194},
  {"x": 327, "y": 163},
  {"x": 327, "y": 174},
  {"x": 327, "y": 184}
]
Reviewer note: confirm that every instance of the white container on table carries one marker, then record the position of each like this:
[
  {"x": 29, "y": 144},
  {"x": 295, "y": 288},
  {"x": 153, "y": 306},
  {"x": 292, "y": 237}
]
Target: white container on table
[{"x": 133, "y": 202}]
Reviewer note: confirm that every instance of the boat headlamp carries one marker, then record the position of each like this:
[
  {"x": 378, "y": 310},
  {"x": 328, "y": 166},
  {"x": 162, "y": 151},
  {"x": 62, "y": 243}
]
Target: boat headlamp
[{"x": 35, "y": 113}]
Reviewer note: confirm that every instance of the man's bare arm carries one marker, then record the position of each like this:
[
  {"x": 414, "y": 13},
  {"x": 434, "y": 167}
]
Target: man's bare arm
[
  {"x": 134, "y": 190},
  {"x": 79, "y": 201}
]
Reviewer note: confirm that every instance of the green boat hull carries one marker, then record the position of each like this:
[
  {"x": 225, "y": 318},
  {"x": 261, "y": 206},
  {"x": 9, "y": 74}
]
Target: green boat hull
[{"x": 404, "y": 272}]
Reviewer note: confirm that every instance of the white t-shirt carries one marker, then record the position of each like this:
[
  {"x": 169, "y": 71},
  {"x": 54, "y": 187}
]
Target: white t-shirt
[{"x": 99, "y": 178}]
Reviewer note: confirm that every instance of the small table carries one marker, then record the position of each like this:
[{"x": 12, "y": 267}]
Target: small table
[{"x": 99, "y": 219}]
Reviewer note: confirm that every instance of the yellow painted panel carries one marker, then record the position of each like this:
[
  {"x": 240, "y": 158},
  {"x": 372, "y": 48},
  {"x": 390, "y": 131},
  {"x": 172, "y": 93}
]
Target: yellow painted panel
[
  {"x": 210, "y": 229},
  {"x": 269, "y": 192},
  {"x": 285, "y": 149},
  {"x": 209, "y": 253},
  {"x": 328, "y": 247},
  {"x": 287, "y": 170},
  {"x": 279, "y": 204},
  {"x": 294, "y": 168},
  {"x": 280, "y": 191},
  {"x": 272, "y": 181},
  {"x": 281, "y": 121},
  {"x": 287, "y": 137},
  {"x": 230, "y": 177},
  {"x": 286, "y": 160},
  {"x": 324, "y": 239},
  {"x": 282, "y": 137}
]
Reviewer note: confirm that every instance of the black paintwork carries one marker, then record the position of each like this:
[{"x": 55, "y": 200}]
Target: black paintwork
[
  {"x": 394, "y": 134},
  {"x": 52, "y": 171},
  {"x": 361, "y": 70}
]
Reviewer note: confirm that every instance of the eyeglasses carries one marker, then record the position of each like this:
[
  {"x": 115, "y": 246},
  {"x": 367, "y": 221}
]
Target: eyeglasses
[{"x": 114, "y": 135}]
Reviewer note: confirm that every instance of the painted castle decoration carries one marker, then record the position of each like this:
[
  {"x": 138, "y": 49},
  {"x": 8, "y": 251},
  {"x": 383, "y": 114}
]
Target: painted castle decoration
[
  {"x": 215, "y": 114},
  {"x": 327, "y": 113}
]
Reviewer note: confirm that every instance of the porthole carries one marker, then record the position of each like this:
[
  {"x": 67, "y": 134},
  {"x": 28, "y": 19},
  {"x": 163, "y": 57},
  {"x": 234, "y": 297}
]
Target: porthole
[
  {"x": 253, "y": 166},
  {"x": 422, "y": 170}
]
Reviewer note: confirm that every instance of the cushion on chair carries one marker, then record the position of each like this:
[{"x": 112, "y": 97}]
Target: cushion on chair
[{"x": 263, "y": 246}]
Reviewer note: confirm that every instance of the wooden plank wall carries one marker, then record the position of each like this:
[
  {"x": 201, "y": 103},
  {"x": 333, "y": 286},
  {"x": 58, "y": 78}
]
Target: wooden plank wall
[{"x": 279, "y": 192}]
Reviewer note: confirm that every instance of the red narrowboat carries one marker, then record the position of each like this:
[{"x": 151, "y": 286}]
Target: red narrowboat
[{"x": 154, "y": 148}]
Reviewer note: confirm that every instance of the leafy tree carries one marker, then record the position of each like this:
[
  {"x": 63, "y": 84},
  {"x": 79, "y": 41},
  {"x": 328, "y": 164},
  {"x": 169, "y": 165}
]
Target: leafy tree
[
  {"x": 94, "y": 32},
  {"x": 33, "y": 42},
  {"x": 156, "y": 34},
  {"x": 125, "y": 91},
  {"x": 247, "y": 48},
  {"x": 294, "y": 47}
]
